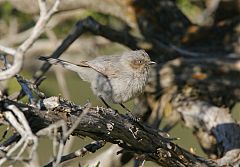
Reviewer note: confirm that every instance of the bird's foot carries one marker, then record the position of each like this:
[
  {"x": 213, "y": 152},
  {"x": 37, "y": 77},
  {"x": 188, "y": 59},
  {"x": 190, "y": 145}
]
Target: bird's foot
[{"x": 133, "y": 117}]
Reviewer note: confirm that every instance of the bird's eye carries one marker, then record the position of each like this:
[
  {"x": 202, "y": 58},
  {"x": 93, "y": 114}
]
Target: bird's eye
[{"x": 138, "y": 62}]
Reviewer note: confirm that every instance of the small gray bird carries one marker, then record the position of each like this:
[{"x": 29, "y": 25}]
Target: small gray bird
[{"x": 113, "y": 78}]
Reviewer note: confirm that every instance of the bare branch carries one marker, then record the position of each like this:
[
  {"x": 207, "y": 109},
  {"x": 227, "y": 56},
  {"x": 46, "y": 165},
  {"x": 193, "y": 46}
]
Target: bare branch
[
  {"x": 7, "y": 50},
  {"x": 104, "y": 124},
  {"x": 64, "y": 134},
  {"x": 217, "y": 122},
  {"x": 19, "y": 122},
  {"x": 37, "y": 31},
  {"x": 43, "y": 8}
]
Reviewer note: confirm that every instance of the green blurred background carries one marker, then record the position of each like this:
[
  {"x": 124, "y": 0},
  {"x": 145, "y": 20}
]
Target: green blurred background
[{"x": 80, "y": 91}]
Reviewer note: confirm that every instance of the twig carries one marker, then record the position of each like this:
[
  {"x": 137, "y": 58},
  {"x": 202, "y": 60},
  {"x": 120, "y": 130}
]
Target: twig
[
  {"x": 5, "y": 132},
  {"x": 65, "y": 135},
  {"x": 94, "y": 146},
  {"x": 12, "y": 149},
  {"x": 76, "y": 123},
  {"x": 59, "y": 153},
  {"x": 26, "y": 89},
  {"x": 37, "y": 31},
  {"x": 59, "y": 71},
  {"x": 15, "y": 137},
  {"x": 48, "y": 132},
  {"x": 22, "y": 127},
  {"x": 7, "y": 50},
  {"x": 61, "y": 80}
]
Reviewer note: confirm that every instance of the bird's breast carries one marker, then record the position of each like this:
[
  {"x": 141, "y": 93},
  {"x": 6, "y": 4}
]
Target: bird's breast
[{"x": 126, "y": 87}]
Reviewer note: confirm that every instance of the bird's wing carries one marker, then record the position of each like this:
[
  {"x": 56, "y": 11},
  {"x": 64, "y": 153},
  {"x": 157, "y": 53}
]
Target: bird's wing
[
  {"x": 107, "y": 66},
  {"x": 103, "y": 65}
]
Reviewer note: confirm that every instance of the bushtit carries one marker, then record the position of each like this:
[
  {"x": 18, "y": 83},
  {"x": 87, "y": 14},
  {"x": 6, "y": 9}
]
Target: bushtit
[{"x": 113, "y": 78}]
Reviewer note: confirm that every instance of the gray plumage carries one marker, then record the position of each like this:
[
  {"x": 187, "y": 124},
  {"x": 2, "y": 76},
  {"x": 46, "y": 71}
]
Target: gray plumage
[{"x": 115, "y": 78}]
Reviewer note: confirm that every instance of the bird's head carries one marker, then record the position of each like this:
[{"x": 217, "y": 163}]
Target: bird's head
[{"x": 137, "y": 60}]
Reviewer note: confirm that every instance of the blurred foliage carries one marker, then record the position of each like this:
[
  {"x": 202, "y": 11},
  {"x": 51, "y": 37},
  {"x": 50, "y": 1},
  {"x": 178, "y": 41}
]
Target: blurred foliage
[
  {"x": 26, "y": 21},
  {"x": 63, "y": 28},
  {"x": 7, "y": 12},
  {"x": 190, "y": 9}
]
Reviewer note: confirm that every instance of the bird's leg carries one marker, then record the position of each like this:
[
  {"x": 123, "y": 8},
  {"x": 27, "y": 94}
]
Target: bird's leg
[
  {"x": 105, "y": 103},
  {"x": 133, "y": 117},
  {"x": 125, "y": 108}
]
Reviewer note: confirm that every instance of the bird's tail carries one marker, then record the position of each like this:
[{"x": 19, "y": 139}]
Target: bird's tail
[{"x": 63, "y": 63}]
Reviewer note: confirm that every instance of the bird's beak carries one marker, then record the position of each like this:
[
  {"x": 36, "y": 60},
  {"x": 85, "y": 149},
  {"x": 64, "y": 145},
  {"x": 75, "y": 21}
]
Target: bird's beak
[{"x": 151, "y": 63}]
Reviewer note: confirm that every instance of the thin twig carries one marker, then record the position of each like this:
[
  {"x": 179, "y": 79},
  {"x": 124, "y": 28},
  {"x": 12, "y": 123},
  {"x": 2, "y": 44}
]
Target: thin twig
[
  {"x": 26, "y": 89},
  {"x": 37, "y": 31},
  {"x": 65, "y": 135},
  {"x": 29, "y": 87},
  {"x": 94, "y": 146},
  {"x": 19, "y": 122},
  {"x": 7, "y": 50}
]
